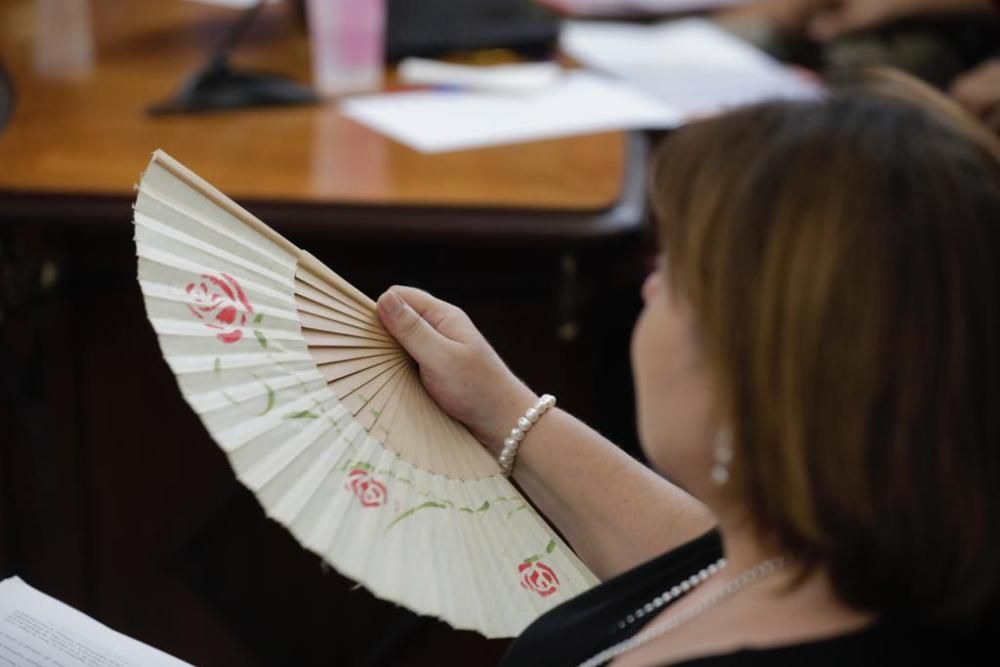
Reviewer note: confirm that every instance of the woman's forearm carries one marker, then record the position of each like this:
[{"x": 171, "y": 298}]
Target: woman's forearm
[{"x": 614, "y": 511}]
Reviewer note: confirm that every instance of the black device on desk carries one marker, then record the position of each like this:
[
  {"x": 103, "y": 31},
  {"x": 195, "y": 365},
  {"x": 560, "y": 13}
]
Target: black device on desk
[
  {"x": 431, "y": 27},
  {"x": 6, "y": 97},
  {"x": 217, "y": 85}
]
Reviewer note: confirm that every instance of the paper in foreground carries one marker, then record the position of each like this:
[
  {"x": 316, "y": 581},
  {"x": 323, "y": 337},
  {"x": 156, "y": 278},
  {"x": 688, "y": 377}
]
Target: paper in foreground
[
  {"x": 36, "y": 629},
  {"x": 323, "y": 416}
]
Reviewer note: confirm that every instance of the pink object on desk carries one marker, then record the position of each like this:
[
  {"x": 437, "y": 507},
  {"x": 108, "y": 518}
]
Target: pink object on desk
[{"x": 346, "y": 42}]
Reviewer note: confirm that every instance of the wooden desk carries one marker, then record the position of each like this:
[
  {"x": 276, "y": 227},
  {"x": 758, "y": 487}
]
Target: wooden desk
[
  {"x": 284, "y": 161},
  {"x": 111, "y": 495}
]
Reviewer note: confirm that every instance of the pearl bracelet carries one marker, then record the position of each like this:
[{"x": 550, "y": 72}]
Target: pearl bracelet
[{"x": 524, "y": 424}]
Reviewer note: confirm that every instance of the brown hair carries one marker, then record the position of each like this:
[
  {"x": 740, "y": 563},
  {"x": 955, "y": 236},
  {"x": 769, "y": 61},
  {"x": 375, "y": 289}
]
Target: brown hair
[{"x": 842, "y": 257}]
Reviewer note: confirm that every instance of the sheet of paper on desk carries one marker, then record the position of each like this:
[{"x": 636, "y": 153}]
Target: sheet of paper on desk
[
  {"x": 36, "y": 629},
  {"x": 438, "y": 121},
  {"x": 691, "y": 65}
]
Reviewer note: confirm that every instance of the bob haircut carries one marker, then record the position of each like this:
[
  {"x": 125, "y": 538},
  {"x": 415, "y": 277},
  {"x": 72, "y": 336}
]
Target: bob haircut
[{"x": 842, "y": 259}]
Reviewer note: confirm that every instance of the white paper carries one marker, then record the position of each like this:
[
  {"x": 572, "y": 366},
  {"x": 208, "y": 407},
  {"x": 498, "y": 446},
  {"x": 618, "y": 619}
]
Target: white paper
[
  {"x": 39, "y": 631},
  {"x": 437, "y": 121},
  {"x": 691, "y": 65}
]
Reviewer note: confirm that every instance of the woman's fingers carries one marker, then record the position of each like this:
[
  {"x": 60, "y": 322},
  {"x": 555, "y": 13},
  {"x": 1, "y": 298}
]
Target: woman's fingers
[
  {"x": 450, "y": 321},
  {"x": 459, "y": 369},
  {"x": 979, "y": 89},
  {"x": 410, "y": 327}
]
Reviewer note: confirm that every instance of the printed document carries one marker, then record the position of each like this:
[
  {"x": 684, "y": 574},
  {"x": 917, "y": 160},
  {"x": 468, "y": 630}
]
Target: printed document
[
  {"x": 39, "y": 631},
  {"x": 435, "y": 121}
]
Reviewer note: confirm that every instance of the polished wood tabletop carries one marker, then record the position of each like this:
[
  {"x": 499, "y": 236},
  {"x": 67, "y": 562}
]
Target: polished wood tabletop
[{"x": 81, "y": 129}]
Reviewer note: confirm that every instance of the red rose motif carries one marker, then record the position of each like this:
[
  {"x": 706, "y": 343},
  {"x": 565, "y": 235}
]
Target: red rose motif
[
  {"x": 371, "y": 492},
  {"x": 539, "y": 577},
  {"x": 221, "y": 303}
]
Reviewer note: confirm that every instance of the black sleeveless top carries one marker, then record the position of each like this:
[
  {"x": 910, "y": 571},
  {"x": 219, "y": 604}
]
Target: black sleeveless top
[{"x": 589, "y": 623}]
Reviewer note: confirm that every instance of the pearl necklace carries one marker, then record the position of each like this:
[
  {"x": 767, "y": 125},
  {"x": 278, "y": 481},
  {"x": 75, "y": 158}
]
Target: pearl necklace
[
  {"x": 741, "y": 581},
  {"x": 673, "y": 593}
]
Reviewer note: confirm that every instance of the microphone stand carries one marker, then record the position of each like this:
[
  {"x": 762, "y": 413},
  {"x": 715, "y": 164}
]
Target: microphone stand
[{"x": 219, "y": 86}]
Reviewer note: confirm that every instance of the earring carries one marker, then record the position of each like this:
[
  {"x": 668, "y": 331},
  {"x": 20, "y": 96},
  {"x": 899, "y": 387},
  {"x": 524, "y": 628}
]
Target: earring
[{"x": 723, "y": 456}]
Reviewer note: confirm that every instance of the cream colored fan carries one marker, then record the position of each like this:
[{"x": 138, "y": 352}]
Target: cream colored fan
[{"x": 323, "y": 416}]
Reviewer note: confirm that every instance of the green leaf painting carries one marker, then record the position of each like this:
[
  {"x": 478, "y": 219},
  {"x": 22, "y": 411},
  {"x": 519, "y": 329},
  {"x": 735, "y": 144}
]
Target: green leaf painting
[
  {"x": 430, "y": 504},
  {"x": 304, "y": 414},
  {"x": 516, "y": 510},
  {"x": 549, "y": 548},
  {"x": 270, "y": 400}
]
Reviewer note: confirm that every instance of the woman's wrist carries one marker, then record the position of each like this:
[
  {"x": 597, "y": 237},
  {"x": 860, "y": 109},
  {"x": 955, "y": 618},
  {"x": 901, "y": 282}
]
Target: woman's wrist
[
  {"x": 517, "y": 434},
  {"x": 509, "y": 407}
]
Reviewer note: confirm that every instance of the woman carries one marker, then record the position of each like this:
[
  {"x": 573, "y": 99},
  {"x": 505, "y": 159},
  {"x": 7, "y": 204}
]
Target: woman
[
  {"x": 828, "y": 19},
  {"x": 817, "y": 370}
]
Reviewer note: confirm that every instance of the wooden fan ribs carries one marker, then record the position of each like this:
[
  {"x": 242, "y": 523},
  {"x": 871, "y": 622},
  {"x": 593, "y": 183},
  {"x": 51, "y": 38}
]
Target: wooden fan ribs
[
  {"x": 306, "y": 291},
  {"x": 383, "y": 406},
  {"x": 335, "y": 316},
  {"x": 305, "y": 305},
  {"x": 367, "y": 381},
  {"x": 370, "y": 412}
]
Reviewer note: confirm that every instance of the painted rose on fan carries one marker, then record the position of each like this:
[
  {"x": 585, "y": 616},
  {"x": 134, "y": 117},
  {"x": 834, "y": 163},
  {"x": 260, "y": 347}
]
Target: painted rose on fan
[
  {"x": 539, "y": 577},
  {"x": 371, "y": 492},
  {"x": 219, "y": 301}
]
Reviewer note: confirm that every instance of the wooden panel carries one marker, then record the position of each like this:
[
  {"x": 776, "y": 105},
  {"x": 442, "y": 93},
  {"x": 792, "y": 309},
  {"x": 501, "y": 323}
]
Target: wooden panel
[{"x": 44, "y": 497}]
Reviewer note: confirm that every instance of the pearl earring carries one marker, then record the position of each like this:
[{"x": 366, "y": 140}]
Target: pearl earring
[{"x": 723, "y": 456}]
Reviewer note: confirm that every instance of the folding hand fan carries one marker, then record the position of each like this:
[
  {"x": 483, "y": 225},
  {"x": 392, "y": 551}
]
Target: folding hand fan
[{"x": 323, "y": 416}]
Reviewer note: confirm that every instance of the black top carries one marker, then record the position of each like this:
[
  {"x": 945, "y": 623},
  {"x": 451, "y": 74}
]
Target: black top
[{"x": 589, "y": 623}]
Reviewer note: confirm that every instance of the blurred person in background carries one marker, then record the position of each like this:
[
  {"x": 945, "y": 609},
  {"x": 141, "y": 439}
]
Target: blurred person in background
[{"x": 955, "y": 44}]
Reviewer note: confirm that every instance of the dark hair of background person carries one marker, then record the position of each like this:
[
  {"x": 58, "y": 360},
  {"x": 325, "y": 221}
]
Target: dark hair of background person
[{"x": 842, "y": 258}]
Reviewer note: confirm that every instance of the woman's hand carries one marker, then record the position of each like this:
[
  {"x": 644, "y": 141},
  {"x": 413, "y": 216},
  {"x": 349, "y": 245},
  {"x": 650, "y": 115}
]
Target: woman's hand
[
  {"x": 979, "y": 92},
  {"x": 460, "y": 370},
  {"x": 581, "y": 482},
  {"x": 846, "y": 16},
  {"x": 824, "y": 20}
]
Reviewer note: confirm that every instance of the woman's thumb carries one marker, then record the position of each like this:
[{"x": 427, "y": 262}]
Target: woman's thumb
[{"x": 406, "y": 325}]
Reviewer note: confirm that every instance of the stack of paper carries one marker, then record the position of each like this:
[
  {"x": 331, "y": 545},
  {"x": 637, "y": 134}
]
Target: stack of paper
[
  {"x": 436, "y": 121},
  {"x": 655, "y": 76},
  {"x": 693, "y": 66},
  {"x": 36, "y": 629}
]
